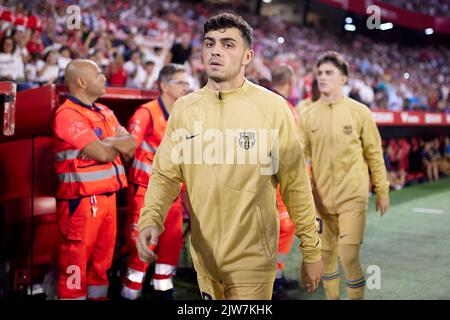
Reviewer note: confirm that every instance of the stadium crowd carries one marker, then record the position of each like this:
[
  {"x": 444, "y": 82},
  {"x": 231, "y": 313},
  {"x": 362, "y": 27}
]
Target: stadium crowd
[
  {"x": 131, "y": 41},
  {"x": 416, "y": 159},
  {"x": 439, "y": 8}
]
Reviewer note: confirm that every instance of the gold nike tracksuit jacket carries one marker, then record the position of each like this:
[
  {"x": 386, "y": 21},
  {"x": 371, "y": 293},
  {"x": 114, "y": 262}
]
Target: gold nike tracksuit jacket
[
  {"x": 342, "y": 141},
  {"x": 210, "y": 143}
]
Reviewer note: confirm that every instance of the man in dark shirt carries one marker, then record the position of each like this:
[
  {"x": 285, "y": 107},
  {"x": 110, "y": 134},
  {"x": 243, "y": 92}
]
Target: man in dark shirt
[{"x": 181, "y": 52}]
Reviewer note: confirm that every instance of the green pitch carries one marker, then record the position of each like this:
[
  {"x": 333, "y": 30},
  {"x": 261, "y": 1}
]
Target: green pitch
[{"x": 409, "y": 247}]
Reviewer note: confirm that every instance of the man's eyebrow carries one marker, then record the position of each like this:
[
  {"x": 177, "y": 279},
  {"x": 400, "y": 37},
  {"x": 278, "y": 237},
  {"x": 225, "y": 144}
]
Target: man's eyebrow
[
  {"x": 228, "y": 39},
  {"x": 221, "y": 39}
]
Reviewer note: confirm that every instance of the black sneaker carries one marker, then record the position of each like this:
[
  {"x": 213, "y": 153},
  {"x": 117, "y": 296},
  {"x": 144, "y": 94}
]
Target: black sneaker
[
  {"x": 278, "y": 292},
  {"x": 162, "y": 295},
  {"x": 289, "y": 283}
]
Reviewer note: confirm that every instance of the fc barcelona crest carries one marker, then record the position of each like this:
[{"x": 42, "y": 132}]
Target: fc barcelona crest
[
  {"x": 247, "y": 140},
  {"x": 348, "y": 130}
]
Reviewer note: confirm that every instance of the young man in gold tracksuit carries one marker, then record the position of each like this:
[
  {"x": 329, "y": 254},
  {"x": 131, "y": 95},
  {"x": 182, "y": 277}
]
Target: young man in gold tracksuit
[
  {"x": 232, "y": 142},
  {"x": 342, "y": 141}
]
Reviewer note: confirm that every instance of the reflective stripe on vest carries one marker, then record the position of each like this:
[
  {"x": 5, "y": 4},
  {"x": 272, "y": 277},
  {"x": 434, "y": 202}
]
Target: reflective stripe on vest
[
  {"x": 142, "y": 166},
  {"x": 98, "y": 291},
  {"x": 67, "y": 155},
  {"x": 165, "y": 269},
  {"x": 147, "y": 147},
  {"x": 90, "y": 176},
  {"x": 135, "y": 275},
  {"x": 162, "y": 284},
  {"x": 130, "y": 294}
]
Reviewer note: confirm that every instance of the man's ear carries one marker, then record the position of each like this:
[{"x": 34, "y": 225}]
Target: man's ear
[
  {"x": 344, "y": 80},
  {"x": 163, "y": 86},
  {"x": 248, "y": 57},
  {"x": 81, "y": 83}
]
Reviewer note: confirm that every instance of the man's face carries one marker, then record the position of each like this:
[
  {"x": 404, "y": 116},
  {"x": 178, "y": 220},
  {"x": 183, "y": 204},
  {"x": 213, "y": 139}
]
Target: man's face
[
  {"x": 330, "y": 78},
  {"x": 135, "y": 58},
  {"x": 8, "y": 46},
  {"x": 149, "y": 68},
  {"x": 224, "y": 53},
  {"x": 177, "y": 86},
  {"x": 95, "y": 80}
]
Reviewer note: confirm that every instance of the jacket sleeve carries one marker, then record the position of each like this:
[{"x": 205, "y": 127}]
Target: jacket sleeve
[
  {"x": 373, "y": 154},
  {"x": 304, "y": 139},
  {"x": 165, "y": 182},
  {"x": 295, "y": 187}
]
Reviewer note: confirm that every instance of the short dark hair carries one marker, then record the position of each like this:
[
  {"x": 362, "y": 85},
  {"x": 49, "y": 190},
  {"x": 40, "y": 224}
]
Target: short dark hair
[
  {"x": 226, "y": 21},
  {"x": 336, "y": 59},
  {"x": 63, "y": 48},
  {"x": 149, "y": 62},
  {"x": 281, "y": 74},
  {"x": 168, "y": 71}
]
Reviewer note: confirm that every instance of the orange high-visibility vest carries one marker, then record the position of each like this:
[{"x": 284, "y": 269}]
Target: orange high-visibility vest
[
  {"x": 281, "y": 206},
  {"x": 141, "y": 168},
  {"x": 78, "y": 177}
]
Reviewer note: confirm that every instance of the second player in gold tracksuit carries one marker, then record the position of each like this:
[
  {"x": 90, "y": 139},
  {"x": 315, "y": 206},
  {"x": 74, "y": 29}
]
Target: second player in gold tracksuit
[{"x": 342, "y": 141}]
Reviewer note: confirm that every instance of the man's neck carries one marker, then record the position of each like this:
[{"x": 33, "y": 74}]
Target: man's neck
[
  {"x": 332, "y": 97},
  {"x": 282, "y": 90},
  {"x": 168, "y": 102},
  {"x": 225, "y": 85},
  {"x": 84, "y": 98}
]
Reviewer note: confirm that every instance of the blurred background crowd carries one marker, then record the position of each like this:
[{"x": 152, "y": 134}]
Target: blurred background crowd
[
  {"x": 439, "y": 8},
  {"x": 132, "y": 40},
  {"x": 416, "y": 159}
]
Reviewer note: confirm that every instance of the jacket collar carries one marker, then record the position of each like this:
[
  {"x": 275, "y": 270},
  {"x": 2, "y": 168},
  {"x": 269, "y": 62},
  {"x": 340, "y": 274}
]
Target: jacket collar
[
  {"x": 163, "y": 108},
  {"x": 82, "y": 104},
  {"x": 222, "y": 94}
]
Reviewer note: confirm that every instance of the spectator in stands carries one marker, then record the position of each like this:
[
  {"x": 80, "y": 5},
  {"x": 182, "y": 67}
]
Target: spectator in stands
[
  {"x": 150, "y": 81},
  {"x": 21, "y": 37},
  {"x": 115, "y": 73},
  {"x": 35, "y": 44},
  {"x": 181, "y": 52},
  {"x": 429, "y": 158},
  {"x": 136, "y": 73},
  {"x": 11, "y": 65},
  {"x": 31, "y": 68},
  {"x": 396, "y": 175},
  {"x": 64, "y": 58},
  {"x": 416, "y": 166},
  {"x": 47, "y": 71},
  {"x": 442, "y": 157}
]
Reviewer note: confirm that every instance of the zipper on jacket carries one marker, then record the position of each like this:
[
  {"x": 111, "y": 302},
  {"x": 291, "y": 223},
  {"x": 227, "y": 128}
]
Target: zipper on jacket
[
  {"x": 219, "y": 176},
  {"x": 332, "y": 157}
]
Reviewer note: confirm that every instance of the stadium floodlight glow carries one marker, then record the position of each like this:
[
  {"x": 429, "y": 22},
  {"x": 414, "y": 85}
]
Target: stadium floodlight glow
[
  {"x": 348, "y": 20},
  {"x": 406, "y": 75},
  {"x": 350, "y": 27},
  {"x": 429, "y": 31},
  {"x": 267, "y": 1},
  {"x": 386, "y": 26},
  {"x": 280, "y": 40}
]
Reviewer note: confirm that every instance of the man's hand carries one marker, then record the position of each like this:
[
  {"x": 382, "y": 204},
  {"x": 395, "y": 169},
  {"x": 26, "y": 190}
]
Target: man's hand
[
  {"x": 146, "y": 243},
  {"x": 121, "y": 132},
  {"x": 311, "y": 274},
  {"x": 382, "y": 205}
]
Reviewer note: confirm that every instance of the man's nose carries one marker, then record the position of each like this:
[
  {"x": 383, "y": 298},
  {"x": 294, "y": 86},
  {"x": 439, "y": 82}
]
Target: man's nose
[{"x": 216, "y": 52}]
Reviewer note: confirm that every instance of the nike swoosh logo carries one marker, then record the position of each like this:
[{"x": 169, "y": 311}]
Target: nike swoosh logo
[
  {"x": 193, "y": 136},
  {"x": 340, "y": 237},
  {"x": 314, "y": 130}
]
